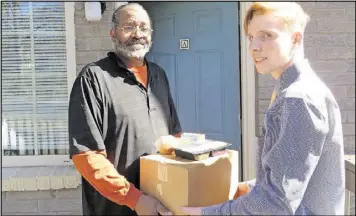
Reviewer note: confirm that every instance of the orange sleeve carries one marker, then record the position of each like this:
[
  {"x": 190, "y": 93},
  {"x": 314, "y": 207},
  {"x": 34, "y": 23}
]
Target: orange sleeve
[{"x": 102, "y": 175}]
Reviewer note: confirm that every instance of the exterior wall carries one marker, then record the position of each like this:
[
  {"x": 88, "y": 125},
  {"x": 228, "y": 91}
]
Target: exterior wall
[
  {"x": 330, "y": 48},
  {"x": 47, "y": 202},
  {"x": 92, "y": 40}
]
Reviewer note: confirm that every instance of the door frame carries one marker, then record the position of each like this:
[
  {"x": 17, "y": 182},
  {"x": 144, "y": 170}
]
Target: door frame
[{"x": 247, "y": 97}]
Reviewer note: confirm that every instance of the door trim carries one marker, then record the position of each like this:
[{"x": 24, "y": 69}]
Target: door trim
[
  {"x": 248, "y": 97},
  {"x": 248, "y": 106}
]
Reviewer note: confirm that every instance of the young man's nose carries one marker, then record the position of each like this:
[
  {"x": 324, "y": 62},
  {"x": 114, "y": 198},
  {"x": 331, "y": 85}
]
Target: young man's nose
[{"x": 255, "y": 45}]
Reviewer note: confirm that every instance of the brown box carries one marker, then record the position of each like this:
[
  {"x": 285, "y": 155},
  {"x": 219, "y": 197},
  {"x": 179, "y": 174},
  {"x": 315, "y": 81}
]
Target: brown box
[{"x": 179, "y": 182}]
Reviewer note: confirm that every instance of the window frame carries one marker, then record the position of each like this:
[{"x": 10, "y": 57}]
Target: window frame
[{"x": 53, "y": 160}]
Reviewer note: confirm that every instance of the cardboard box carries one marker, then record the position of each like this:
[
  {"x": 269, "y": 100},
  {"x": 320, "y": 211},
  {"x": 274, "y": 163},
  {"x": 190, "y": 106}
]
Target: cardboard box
[{"x": 179, "y": 182}]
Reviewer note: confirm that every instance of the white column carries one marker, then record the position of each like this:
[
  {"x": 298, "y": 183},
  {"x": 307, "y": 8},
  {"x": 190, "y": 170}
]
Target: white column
[{"x": 248, "y": 88}]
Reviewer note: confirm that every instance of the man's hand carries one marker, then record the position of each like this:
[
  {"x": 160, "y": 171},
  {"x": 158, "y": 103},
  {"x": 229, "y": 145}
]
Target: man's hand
[
  {"x": 147, "y": 205},
  {"x": 191, "y": 210}
]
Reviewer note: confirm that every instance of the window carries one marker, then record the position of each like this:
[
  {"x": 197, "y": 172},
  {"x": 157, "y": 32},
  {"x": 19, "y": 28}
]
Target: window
[{"x": 37, "y": 74}]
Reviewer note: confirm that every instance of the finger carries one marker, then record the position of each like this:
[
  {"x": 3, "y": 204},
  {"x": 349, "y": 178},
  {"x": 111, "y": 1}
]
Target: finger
[
  {"x": 191, "y": 210},
  {"x": 163, "y": 210},
  {"x": 186, "y": 210}
]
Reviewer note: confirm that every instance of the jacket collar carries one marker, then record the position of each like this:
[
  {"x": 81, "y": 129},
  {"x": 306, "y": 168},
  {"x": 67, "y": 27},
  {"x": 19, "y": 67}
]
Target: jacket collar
[{"x": 291, "y": 74}]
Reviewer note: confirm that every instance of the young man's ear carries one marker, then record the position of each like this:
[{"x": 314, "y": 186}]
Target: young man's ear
[{"x": 297, "y": 38}]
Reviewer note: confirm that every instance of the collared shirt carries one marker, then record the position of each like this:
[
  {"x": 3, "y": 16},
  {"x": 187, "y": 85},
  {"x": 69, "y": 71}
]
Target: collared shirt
[
  {"x": 110, "y": 110},
  {"x": 300, "y": 165}
]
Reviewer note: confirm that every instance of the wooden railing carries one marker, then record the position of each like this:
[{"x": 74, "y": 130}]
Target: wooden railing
[{"x": 350, "y": 181}]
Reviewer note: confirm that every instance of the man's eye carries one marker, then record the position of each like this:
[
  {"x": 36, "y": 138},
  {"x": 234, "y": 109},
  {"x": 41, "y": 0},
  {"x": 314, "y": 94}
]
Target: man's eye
[
  {"x": 129, "y": 28},
  {"x": 250, "y": 38},
  {"x": 144, "y": 29}
]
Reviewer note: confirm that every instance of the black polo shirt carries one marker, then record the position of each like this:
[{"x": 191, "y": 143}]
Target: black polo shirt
[{"x": 110, "y": 110}]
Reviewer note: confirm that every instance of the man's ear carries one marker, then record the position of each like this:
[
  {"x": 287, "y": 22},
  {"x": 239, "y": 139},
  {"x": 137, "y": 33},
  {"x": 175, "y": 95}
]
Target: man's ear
[{"x": 112, "y": 34}]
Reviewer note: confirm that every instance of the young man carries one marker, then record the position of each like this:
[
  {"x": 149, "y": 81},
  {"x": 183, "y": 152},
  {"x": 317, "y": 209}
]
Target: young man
[
  {"x": 118, "y": 107},
  {"x": 300, "y": 166}
]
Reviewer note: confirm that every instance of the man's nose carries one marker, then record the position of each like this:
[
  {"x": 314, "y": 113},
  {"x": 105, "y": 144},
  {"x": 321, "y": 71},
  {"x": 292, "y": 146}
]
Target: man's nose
[{"x": 137, "y": 33}]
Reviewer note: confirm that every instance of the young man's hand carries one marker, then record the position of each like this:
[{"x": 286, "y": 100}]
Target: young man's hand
[
  {"x": 147, "y": 205},
  {"x": 242, "y": 189},
  {"x": 191, "y": 210}
]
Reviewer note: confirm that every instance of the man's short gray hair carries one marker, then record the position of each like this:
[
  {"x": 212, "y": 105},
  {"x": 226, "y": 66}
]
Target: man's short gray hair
[{"x": 116, "y": 15}]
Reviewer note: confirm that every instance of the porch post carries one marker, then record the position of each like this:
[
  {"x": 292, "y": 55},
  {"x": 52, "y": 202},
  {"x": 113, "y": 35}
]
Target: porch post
[{"x": 248, "y": 88}]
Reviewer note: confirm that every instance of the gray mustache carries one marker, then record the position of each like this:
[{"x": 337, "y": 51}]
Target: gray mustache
[{"x": 134, "y": 42}]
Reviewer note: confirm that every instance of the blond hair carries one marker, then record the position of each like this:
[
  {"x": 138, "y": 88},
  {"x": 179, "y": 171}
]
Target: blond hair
[{"x": 292, "y": 14}]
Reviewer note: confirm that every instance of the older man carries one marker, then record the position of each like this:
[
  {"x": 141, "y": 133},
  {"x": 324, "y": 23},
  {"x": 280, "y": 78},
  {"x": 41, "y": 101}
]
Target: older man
[
  {"x": 118, "y": 107},
  {"x": 300, "y": 166}
]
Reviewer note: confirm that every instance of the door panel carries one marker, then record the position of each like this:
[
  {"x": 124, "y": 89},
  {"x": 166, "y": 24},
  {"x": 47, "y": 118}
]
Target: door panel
[{"x": 204, "y": 79}]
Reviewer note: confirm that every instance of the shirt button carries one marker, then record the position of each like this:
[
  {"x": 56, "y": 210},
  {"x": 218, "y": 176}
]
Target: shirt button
[{"x": 153, "y": 109}]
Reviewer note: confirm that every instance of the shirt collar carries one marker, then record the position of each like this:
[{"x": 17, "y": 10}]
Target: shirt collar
[
  {"x": 119, "y": 62},
  {"x": 292, "y": 73},
  {"x": 152, "y": 69}
]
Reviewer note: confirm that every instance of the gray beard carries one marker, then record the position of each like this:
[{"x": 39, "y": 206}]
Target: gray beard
[{"x": 128, "y": 53}]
